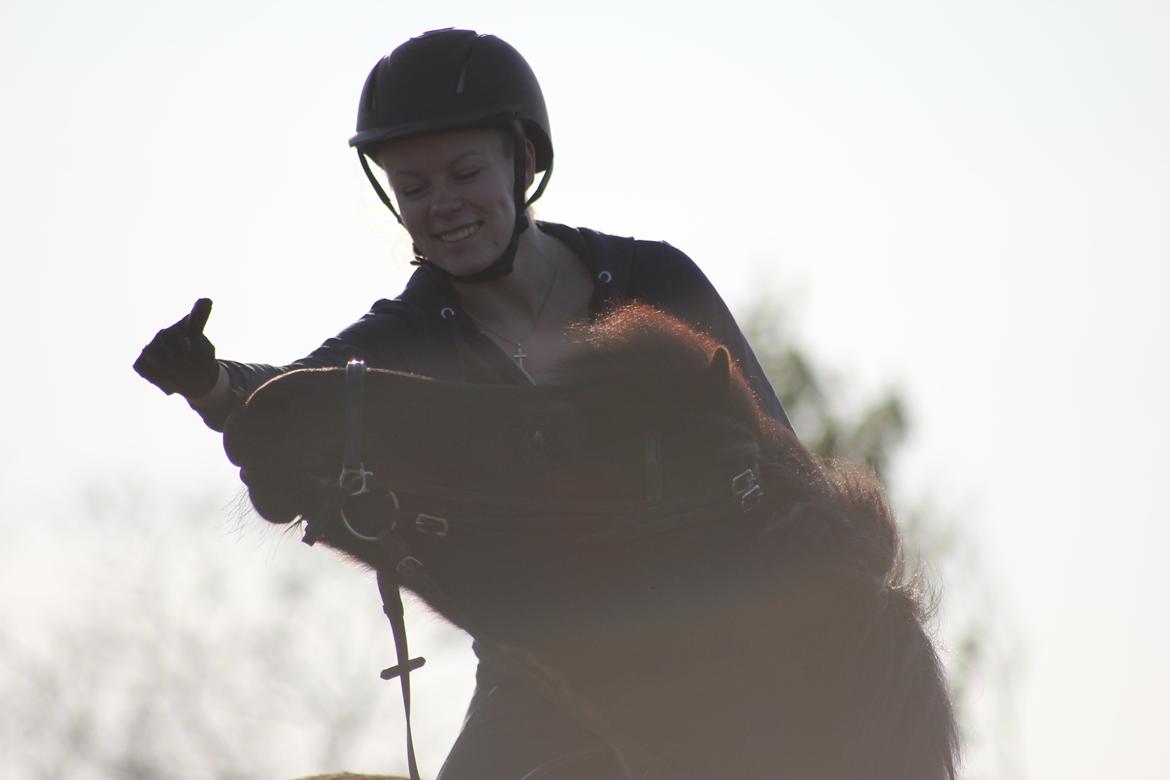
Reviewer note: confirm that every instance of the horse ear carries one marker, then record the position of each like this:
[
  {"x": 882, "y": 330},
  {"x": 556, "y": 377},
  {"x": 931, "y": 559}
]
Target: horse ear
[{"x": 718, "y": 373}]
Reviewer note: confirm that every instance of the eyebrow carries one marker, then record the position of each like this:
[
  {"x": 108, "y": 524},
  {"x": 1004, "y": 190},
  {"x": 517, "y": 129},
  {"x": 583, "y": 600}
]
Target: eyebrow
[{"x": 456, "y": 161}]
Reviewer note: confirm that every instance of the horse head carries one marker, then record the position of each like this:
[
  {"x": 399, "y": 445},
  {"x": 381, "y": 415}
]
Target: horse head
[
  {"x": 637, "y": 386},
  {"x": 644, "y": 529}
]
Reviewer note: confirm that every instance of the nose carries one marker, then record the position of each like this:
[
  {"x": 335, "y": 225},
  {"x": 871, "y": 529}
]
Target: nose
[{"x": 445, "y": 200}]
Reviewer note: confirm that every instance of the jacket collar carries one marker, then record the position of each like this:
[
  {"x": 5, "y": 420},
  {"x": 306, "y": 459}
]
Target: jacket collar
[{"x": 433, "y": 293}]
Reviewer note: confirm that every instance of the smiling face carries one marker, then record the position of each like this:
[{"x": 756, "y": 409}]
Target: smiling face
[{"x": 455, "y": 192}]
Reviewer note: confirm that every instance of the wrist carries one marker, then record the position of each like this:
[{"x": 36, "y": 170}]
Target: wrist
[{"x": 218, "y": 393}]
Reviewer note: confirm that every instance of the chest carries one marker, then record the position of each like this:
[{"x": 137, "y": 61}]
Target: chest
[
  {"x": 539, "y": 351},
  {"x": 539, "y": 356}
]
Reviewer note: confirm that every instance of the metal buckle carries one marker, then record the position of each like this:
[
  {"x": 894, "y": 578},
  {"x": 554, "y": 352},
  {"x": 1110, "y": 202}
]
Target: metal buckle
[
  {"x": 354, "y": 481},
  {"x": 409, "y": 567},
  {"x": 429, "y": 524},
  {"x": 359, "y": 535},
  {"x": 745, "y": 487}
]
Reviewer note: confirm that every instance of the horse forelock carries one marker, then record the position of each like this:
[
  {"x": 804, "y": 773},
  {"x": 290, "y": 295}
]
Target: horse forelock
[{"x": 637, "y": 345}]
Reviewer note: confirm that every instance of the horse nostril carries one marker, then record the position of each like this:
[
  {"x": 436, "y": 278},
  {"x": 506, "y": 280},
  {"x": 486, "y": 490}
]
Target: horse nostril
[
  {"x": 274, "y": 509},
  {"x": 275, "y": 496}
]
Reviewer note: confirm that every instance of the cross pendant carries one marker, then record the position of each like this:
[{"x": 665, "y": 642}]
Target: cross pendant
[{"x": 518, "y": 358}]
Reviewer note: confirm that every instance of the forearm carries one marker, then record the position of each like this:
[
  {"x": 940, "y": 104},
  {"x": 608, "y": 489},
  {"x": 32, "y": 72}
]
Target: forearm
[
  {"x": 219, "y": 395},
  {"x": 234, "y": 384},
  {"x": 215, "y": 405}
]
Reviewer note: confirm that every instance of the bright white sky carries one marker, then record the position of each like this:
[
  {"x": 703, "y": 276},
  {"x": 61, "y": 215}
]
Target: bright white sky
[{"x": 967, "y": 200}]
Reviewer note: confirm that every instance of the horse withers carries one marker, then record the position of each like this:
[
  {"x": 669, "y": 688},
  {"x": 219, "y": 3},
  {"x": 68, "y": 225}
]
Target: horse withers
[{"x": 659, "y": 557}]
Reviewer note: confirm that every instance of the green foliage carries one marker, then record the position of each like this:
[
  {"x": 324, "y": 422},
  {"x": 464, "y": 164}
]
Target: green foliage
[{"x": 811, "y": 397}]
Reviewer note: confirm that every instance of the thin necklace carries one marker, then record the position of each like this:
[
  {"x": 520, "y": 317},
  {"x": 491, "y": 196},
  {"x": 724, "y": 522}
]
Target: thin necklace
[{"x": 519, "y": 355}]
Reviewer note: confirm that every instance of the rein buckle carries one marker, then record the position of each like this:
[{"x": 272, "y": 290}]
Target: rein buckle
[
  {"x": 354, "y": 480},
  {"x": 430, "y": 524},
  {"x": 747, "y": 489},
  {"x": 409, "y": 568}
]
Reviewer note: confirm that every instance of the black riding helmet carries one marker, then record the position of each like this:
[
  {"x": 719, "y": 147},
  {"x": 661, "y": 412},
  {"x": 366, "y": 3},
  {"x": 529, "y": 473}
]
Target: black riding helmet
[{"x": 456, "y": 80}]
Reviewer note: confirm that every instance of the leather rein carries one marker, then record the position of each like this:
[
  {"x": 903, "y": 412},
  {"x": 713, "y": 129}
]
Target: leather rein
[{"x": 596, "y": 521}]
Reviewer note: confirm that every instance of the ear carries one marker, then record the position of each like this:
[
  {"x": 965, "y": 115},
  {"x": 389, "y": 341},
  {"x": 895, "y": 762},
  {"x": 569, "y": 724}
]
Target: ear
[{"x": 717, "y": 376}]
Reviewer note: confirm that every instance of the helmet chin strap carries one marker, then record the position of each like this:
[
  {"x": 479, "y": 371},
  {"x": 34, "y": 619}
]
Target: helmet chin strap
[
  {"x": 499, "y": 268},
  {"x": 502, "y": 265}
]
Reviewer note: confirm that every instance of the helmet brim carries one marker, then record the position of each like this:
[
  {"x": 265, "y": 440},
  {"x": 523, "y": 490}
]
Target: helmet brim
[{"x": 367, "y": 140}]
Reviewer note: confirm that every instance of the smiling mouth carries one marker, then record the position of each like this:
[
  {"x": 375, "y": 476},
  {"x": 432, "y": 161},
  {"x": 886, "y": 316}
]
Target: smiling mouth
[{"x": 460, "y": 234}]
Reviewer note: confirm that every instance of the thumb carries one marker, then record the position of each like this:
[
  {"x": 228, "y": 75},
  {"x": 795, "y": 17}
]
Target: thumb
[{"x": 197, "y": 319}]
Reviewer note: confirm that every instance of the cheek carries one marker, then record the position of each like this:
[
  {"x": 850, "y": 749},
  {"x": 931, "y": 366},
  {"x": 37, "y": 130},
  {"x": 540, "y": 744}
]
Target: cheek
[
  {"x": 414, "y": 218},
  {"x": 502, "y": 200}
]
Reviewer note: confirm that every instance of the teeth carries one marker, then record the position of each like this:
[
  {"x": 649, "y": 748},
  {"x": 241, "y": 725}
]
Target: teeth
[{"x": 458, "y": 235}]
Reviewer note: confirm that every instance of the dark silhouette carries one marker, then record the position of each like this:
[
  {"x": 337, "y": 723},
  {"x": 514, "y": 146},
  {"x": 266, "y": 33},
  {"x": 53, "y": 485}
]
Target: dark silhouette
[{"x": 642, "y": 542}]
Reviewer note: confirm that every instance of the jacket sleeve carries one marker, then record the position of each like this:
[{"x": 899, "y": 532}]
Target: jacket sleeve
[
  {"x": 666, "y": 277},
  {"x": 370, "y": 339}
]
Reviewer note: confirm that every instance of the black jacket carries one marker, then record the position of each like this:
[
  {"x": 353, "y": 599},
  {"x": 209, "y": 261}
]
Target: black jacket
[{"x": 424, "y": 330}]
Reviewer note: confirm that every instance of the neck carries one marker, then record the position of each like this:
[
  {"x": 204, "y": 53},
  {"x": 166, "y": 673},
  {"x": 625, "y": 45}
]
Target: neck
[{"x": 517, "y": 298}]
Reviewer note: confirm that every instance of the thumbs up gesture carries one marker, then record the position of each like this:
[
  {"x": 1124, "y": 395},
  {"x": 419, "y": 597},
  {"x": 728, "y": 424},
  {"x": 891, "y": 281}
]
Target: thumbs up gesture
[{"x": 180, "y": 359}]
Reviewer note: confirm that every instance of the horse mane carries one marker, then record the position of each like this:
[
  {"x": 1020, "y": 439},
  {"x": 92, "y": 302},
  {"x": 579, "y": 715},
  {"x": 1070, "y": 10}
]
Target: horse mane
[
  {"x": 831, "y": 534},
  {"x": 637, "y": 343},
  {"x": 841, "y": 542}
]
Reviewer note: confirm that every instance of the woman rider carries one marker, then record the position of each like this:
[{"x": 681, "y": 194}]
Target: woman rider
[{"x": 457, "y": 122}]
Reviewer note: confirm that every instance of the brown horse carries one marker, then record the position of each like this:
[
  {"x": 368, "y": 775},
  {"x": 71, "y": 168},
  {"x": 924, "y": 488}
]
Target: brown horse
[{"x": 664, "y": 560}]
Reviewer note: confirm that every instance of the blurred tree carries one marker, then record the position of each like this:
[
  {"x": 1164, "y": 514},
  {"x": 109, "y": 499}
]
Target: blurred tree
[
  {"x": 811, "y": 397},
  {"x": 174, "y": 653}
]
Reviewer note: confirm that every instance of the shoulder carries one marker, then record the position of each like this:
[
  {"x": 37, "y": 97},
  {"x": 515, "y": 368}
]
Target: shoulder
[
  {"x": 419, "y": 312},
  {"x": 392, "y": 334},
  {"x": 426, "y": 299},
  {"x": 638, "y": 266},
  {"x": 634, "y": 250},
  {"x": 657, "y": 269},
  {"x": 401, "y": 311}
]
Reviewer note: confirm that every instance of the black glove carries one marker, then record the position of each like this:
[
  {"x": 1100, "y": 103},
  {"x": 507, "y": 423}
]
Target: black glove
[{"x": 180, "y": 358}]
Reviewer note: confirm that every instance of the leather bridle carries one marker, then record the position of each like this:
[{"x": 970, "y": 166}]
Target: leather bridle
[
  {"x": 600, "y": 522},
  {"x": 395, "y": 560}
]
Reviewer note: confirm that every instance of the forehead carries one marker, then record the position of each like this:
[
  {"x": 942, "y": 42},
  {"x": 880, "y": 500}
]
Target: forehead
[{"x": 437, "y": 149}]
